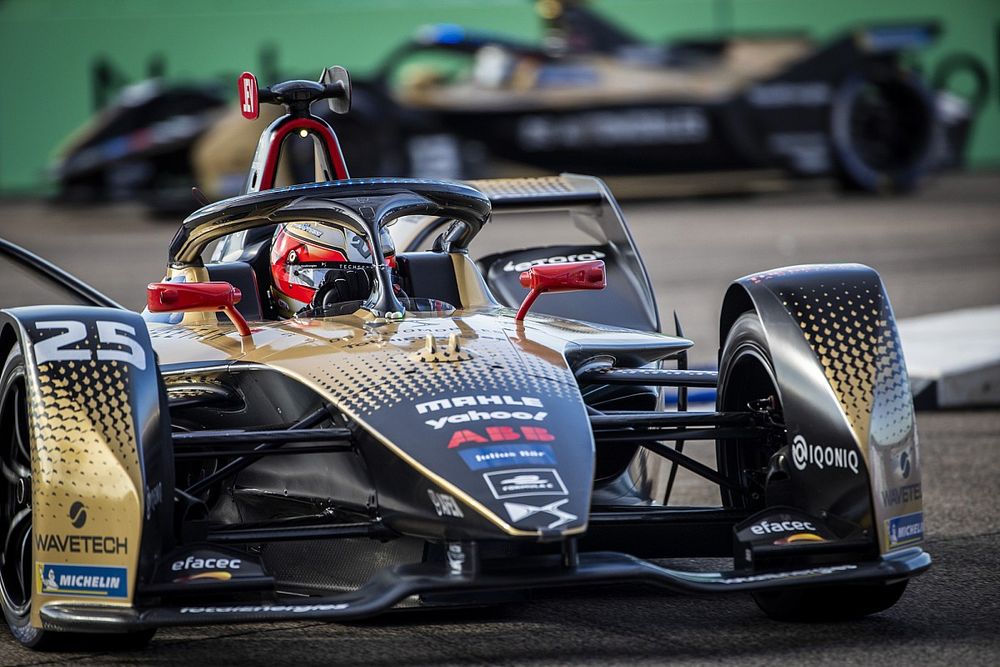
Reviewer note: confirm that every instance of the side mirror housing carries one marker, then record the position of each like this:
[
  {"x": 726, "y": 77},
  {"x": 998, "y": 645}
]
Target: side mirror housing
[
  {"x": 197, "y": 297},
  {"x": 568, "y": 277}
]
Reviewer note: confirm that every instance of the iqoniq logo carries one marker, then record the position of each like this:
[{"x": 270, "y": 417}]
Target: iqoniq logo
[{"x": 822, "y": 456}]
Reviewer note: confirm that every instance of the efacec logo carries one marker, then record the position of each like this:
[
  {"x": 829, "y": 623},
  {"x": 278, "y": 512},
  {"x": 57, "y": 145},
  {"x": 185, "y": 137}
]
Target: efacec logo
[
  {"x": 767, "y": 527},
  {"x": 822, "y": 456},
  {"x": 212, "y": 568}
]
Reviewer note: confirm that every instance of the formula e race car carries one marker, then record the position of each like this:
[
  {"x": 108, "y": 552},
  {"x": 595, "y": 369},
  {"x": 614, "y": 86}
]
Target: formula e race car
[
  {"x": 728, "y": 114},
  {"x": 415, "y": 436}
]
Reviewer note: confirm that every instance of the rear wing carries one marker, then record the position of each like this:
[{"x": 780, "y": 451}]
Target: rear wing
[{"x": 590, "y": 207}]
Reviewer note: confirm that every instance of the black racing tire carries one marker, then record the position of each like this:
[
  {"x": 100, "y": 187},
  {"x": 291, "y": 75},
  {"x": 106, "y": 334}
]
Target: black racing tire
[
  {"x": 883, "y": 128},
  {"x": 17, "y": 567},
  {"x": 815, "y": 605},
  {"x": 746, "y": 373}
]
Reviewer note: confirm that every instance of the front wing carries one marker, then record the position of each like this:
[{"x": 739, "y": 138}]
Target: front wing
[{"x": 393, "y": 585}]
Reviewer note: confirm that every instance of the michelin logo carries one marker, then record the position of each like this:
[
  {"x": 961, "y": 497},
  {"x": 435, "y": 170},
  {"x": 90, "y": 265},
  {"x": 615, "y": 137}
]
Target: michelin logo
[
  {"x": 901, "y": 531},
  {"x": 82, "y": 580}
]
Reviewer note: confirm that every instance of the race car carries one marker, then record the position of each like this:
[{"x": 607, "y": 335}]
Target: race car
[
  {"x": 730, "y": 114},
  {"x": 323, "y": 421}
]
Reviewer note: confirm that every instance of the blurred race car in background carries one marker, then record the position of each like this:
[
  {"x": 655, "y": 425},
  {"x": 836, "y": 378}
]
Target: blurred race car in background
[{"x": 454, "y": 103}]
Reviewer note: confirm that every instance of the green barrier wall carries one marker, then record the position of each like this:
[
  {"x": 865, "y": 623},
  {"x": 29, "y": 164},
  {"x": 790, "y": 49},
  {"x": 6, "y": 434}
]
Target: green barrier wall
[{"x": 49, "y": 48}]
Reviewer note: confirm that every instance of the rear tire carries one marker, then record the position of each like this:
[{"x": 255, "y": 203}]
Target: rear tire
[
  {"x": 882, "y": 130},
  {"x": 17, "y": 565},
  {"x": 746, "y": 375}
]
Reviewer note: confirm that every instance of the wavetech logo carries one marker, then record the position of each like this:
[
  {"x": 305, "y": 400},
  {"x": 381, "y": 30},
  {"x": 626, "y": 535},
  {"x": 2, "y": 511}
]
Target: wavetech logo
[
  {"x": 904, "y": 464},
  {"x": 822, "y": 456},
  {"x": 78, "y": 514}
]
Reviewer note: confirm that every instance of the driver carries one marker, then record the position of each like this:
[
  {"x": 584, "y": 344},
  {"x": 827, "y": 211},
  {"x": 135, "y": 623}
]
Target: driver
[{"x": 316, "y": 267}]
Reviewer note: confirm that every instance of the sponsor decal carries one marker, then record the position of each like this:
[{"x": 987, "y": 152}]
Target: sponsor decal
[
  {"x": 444, "y": 504},
  {"x": 78, "y": 514},
  {"x": 678, "y": 125},
  {"x": 510, "y": 266},
  {"x": 154, "y": 497},
  {"x": 900, "y": 495},
  {"x": 477, "y": 400},
  {"x": 79, "y": 580},
  {"x": 499, "y": 434},
  {"x": 807, "y": 152},
  {"x": 456, "y": 559},
  {"x": 822, "y": 456},
  {"x": 790, "y": 94},
  {"x": 766, "y": 527},
  {"x": 525, "y": 482},
  {"x": 519, "y": 512},
  {"x": 903, "y": 530},
  {"x": 481, "y": 415},
  {"x": 217, "y": 569},
  {"x": 264, "y": 609},
  {"x": 501, "y": 456},
  {"x": 795, "y": 538},
  {"x": 905, "y": 467},
  {"x": 64, "y": 346},
  {"x": 769, "y": 576},
  {"x": 82, "y": 544}
]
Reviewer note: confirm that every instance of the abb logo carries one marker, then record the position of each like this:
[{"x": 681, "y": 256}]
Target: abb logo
[
  {"x": 247, "y": 90},
  {"x": 500, "y": 434}
]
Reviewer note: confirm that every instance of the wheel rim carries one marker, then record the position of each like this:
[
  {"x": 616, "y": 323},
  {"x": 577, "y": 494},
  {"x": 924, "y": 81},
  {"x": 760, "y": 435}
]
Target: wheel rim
[
  {"x": 15, "y": 496},
  {"x": 746, "y": 460}
]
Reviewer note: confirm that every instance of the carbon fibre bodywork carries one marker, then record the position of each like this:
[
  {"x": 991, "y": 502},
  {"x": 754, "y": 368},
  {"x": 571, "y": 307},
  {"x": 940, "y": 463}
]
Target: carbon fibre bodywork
[{"x": 348, "y": 462}]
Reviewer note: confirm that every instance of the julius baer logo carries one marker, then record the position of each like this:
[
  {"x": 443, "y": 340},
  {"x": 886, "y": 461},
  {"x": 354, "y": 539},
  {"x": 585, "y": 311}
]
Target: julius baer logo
[{"x": 81, "y": 580}]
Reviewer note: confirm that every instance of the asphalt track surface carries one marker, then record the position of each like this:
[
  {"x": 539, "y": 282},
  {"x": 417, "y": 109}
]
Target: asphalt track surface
[{"x": 936, "y": 251}]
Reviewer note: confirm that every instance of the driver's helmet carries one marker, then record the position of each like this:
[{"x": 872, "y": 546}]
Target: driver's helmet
[{"x": 316, "y": 265}]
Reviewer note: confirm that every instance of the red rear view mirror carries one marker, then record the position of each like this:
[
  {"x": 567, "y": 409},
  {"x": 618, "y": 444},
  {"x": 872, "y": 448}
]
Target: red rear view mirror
[
  {"x": 568, "y": 277},
  {"x": 197, "y": 297}
]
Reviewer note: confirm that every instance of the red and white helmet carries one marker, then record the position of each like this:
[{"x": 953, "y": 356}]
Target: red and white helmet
[{"x": 305, "y": 255}]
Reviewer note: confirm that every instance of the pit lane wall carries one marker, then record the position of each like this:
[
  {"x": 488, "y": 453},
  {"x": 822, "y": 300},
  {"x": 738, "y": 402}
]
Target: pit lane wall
[{"x": 70, "y": 58}]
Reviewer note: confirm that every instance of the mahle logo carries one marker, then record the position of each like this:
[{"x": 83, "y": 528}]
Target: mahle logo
[{"x": 78, "y": 514}]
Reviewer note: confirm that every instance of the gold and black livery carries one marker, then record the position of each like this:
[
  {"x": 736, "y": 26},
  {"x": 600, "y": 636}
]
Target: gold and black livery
[{"x": 425, "y": 446}]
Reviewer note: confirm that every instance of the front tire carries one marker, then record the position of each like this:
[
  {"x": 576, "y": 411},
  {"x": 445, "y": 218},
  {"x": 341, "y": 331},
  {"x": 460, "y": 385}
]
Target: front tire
[
  {"x": 845, "y": 603},
  {"x": 746, "y": 378},
  {"x": 17, "y": 564}
]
